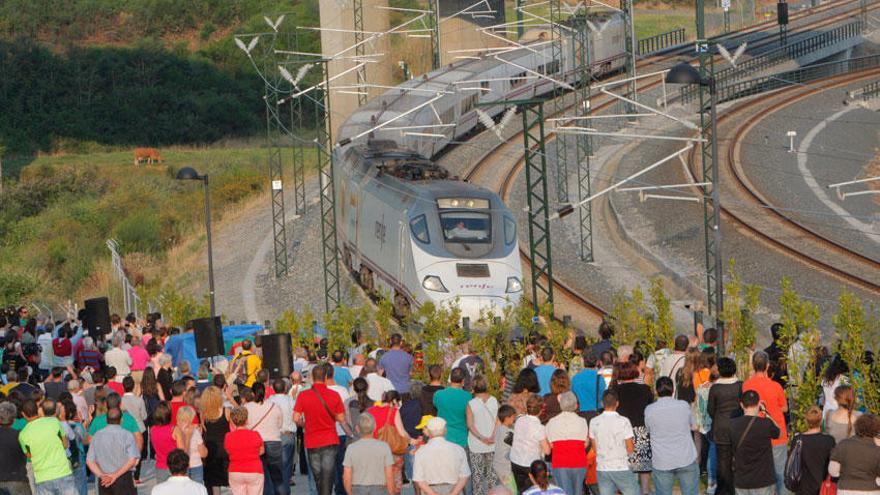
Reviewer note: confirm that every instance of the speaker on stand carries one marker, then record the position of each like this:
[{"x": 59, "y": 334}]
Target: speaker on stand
[
  {"x": 97, "y": 318},
  {"x": 277, "y": 354},
  {"x": 209, "y": 337}
]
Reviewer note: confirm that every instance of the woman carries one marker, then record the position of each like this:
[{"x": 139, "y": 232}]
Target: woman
[
  {"x": 835, "y": 376},
  {"x": 481, "y": 415},
  {"x": 684, "y": 380},
  {"x": 526, "y": 385},
  {"x": 856, "y": 460},
  {"x": 78, "y": 437},
  {"x": 89, "y": 356},
  {"x": 839, "y": 421},
  {"x": 411, "y": 416},
  {"x": 386, "y": 412},
  {"x": 265, "y": 418},
  {"x": 188, "y": 437},
  {"x": 162, "y": 439},
  {"x": 634, "y": 398},
  {"x": 357, "y": 404},
  {"x": 215, "y": 424},
  {"x": 723, "y": 402},
  {"x": 567, "y": 434},
  {"x": 559, "y": 383},
  {"x": 540, "y": 479},
  {"x": 529, "y": 442},
  {"x": 165, "y": 375},
  {"x": 245, "y": 447},
  {"x": 815, "y": 452}
]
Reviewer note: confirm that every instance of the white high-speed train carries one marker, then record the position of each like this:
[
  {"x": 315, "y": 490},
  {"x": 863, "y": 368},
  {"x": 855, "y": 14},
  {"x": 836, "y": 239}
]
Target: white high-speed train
[{"x": 405, "y": 226}]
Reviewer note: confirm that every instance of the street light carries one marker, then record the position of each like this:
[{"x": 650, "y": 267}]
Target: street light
[
  {"x": 685, "y": 73},
  {"x": 189, "y": 173}
]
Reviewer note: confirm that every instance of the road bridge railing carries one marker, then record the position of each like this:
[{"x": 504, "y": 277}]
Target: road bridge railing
[{"x": 658, "y": 42}]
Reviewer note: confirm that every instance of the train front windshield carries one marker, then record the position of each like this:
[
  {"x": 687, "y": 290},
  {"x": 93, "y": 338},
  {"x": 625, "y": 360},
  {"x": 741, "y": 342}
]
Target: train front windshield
[{"x": 470, "y": 227}]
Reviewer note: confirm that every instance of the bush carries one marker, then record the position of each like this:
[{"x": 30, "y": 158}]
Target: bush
[{"x": 139, "y": 232}]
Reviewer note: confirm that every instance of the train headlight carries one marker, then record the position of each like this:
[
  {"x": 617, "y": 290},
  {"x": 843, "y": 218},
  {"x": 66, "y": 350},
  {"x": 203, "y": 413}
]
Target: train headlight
[
  {"x": 433, "y": 282},
  {"x": 514, "y": 285}
]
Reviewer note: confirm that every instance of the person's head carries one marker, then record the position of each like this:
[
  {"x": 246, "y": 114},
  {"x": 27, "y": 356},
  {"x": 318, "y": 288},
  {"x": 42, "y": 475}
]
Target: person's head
[
  {"x": 128, "y": 384},
  {"x": 178, "y": 388},
  {"x": 726, "y": 367},
  {"x": 29, "y": 409},
  {"x": 760, "y": 362},
  {"x": 610, "y": 400},
  {"x": 435, "y": 372},
  {"x": 480, "y": 384},
  {"x": 506, "y": 414},
  {"x": 835, "y": 368},
  {"x": 319, "y": 374},
  {"x": 526, "y": 381},
  {"x": 8, "y": 412},
  {"x": 776, "y": 331},
  {"x": 607, "y": 358},
  {"x": 415, "y": 390},
  {"x": 74, "y": 386},
  {"x": 813, "y": 417},
  {"x": 568, "y": 402},
  {"x": 184, "y": 368},
  {"x": 239, "y": 416},
  {"x": 868, "y": 426},
  {"x": 559, "y": 382},
  {"x": 456, "y": 376},
  {"x": 665, "y": 387},
  {"x": 845, "y": 397},
  {"x": 366, "y": 425},
  {"x": 162, "y": 414},
  {"x": 185, "y": 415},
  {"x": 606, "y": 331},
  {"x": 396, "y": 340},
  {"x": 749, "y": 400},
  {"x": 710, "y": 336},
  {"x": 391, "y": 397},
  {"x": 590, "y": 359},
  {"x": 338, "y": 357},
  {"x": 114, "y": 416},
  {"x": 165, "y": 361},
  {"x": 114, "y": 400},
  {"x": 624, "y": 352},
  {"x": 547, "y": 355},
  {"x": 279, "y": 386},
  {"x": 534, "y": 404},
  {"x": 329, "y": 371},
  {"x": 681, "y": 343},
  {"x": 539, "y": 475},
  {"x": 210, "y": 403},
  {"x": 246, "y": 344},
  {"x": 259, "y": 392},
  {"x": 436, "y": 427},
  {"x": 178, "y": 462},
  {"x": 580, "y": 344},
  {"x": 627, "y": 371},
  {"x": 48, "y": 407},
  {"x": 359, "y": 359}
]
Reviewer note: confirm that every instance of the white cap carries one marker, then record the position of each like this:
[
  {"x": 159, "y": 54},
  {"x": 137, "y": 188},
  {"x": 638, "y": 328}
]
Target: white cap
[{"x": 436, "y": 426}]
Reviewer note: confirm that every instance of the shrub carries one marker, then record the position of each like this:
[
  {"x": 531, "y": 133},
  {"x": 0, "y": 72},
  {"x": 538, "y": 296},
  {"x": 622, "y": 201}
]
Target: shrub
[{"x": 139, "y": 232}]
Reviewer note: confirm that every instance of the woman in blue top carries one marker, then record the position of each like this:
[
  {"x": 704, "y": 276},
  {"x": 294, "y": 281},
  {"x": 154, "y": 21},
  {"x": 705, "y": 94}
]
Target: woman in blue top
[{"x": 541, "y": 481}]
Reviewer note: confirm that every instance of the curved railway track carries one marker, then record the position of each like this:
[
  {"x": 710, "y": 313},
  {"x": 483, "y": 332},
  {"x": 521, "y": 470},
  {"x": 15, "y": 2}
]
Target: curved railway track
[
  {"x": 867, "y": 264},
  {"x": 481, "y": 168}
]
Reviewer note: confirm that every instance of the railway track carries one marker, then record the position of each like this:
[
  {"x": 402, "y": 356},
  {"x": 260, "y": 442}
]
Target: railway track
[
  {"x": 804, "y": 234},
  {"x": 501, "y": 178}
]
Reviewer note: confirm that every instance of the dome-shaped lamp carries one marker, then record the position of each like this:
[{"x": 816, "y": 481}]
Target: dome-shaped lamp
[
  {"x": 684, "y": 73},
  {"x": 188, "y": 173}
]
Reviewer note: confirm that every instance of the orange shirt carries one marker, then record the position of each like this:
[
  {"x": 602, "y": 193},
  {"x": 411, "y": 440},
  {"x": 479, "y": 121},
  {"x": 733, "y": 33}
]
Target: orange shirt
[
  {"x": 701, "y": 377},
  {"x": 774, "y": 399}
]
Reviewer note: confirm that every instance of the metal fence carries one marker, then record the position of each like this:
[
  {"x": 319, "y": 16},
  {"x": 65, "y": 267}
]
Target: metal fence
[
  {"x": 792, "y": 51},
  {"x": 130, "y": 299},
  {"x": 759, "y": 85},
  {"x": 868, "y": 92},
  {"x": 660, "y": 41}
]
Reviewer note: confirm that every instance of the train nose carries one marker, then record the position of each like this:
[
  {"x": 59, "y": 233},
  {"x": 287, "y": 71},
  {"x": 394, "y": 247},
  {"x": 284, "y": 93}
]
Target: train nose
[{"x": 476, "y": 307}]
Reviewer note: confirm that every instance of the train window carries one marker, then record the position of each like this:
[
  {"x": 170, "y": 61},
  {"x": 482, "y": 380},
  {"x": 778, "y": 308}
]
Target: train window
[
  {"x": 509, "y": 231},
  {"x": 419, "y": 228},
  {"x": 552, "y": 67},
  {"x": 517, "y": 79},
  {"x": 466, "y": 227},
  {"x": 469, "y": 102}
]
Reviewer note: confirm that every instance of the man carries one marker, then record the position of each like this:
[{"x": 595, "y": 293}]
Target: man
[
  {"x": 452, "y": 404},
  {"x": 112, "y": 455},
  {"x": 469, "y": 363},
  {"x": 341, "y": 374},
  {"x": 47, "y": 359},
  {"x": 576, "y": 363},
  {"x": 247, "y": 363},
  {"x": 397, "y": 364},
  {"x": 112, "y": 382},
  {"x": 324, "y": 409},
  {"x": 179, "y": 483},
  {"x": 440, "y": 467},
  {"x": 612, "y": 437},
  {"x": 128, "y": 422},
  {"x": 44, "y": 443},
  {"x": 54, "y": 385},
  {"x": 435, "y": 374},
  {"x": 775, "y": 405},
  {"x": 545, "y": 370},
  {"x": 359, "y": 360},
  {"x": 377, "y": 384},
  {"x": 79, "y": 399},
  {"x": 753, "y": 435},
  {"x": 606, "y": 331},
  {"x": 178, "y": 388},
  {"x": 118, "y": 358},
  {"x": 134, "y": 404},
  {"x": 368, "y": 463},
  {"x": 606, "y": 370},
  {"x": 285, "y": 403},
  {"x": 340, "y": 430},
  {"x": 588, "y": 386},
  {"x": 665, "y": 363},
  {"x": 13, "y": 475},
  {"x": 670, "y": 424}
]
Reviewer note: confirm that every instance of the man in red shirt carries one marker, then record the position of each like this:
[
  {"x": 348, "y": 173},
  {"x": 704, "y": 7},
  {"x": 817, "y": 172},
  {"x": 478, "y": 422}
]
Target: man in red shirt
[
  {"x": 773, "y": 397},
  {"x": 317, "y": 410}
]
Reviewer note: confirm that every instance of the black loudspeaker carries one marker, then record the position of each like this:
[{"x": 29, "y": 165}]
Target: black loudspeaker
[
  {"x": 277, "y": 354},
  {"x": 97, "y": 317},
  {"x": 782, "y": 13},
  {"x": 209, "y": 336}
]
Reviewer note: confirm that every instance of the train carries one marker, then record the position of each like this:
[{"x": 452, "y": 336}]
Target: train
[{"x": 411, "y": 230}]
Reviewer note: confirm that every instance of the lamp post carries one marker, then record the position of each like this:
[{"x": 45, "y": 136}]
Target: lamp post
[
  {"x": 189, "y": 173},
  {"x": 685, "y": 73}
]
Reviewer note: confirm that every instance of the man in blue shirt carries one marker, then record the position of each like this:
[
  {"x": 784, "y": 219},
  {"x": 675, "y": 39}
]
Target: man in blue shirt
[
  {"x": 545, "y": 370},
  {"x": 341, "y": 374},
  {"x": 397, "y": 364},
  {"x": 588, "y": 386},
  {"x": 673, "y": 453}
]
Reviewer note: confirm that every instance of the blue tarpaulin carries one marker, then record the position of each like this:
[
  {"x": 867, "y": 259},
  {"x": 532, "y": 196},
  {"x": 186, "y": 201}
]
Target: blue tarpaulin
[{"x": 183, "y": 346}]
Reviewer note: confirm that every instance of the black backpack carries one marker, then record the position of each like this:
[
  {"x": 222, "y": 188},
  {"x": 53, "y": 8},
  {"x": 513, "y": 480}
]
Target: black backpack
[
  {"x": 794, "y": 467},
  {"x": 74, "y": 459}
]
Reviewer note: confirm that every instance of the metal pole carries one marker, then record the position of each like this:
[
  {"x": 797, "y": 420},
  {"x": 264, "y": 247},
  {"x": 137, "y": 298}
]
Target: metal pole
[
  {"x": 556, "y": 34},
  {"x": 435, "y": 34},
  {"x": 359, "y": 50},
  {"x": 519, "y": 20},
  {"x": 630, "y": 46},
  {"x": 210, "y": 247},
  {"x": 716, "y": 211}
]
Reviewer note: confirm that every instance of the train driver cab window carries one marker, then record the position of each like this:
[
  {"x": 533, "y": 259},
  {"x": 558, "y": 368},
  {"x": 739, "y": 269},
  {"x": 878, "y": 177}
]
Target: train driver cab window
[
  {"x": 509, "y": 231},
  {"x": 419, "y": 228},
  {"x": 466, "y": 227}
]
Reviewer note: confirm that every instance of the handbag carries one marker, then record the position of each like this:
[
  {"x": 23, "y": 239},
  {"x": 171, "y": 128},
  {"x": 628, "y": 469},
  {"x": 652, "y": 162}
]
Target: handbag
[
  {"x": 828, "y": 487},
  {"x": 389, "y": 434}
]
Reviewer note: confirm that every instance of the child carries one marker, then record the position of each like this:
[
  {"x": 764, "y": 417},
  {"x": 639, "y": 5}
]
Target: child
[{"x": 503, "y": 441}]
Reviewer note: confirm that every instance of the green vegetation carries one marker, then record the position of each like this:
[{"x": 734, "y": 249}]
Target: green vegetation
[{"x": 652, "y": 22}]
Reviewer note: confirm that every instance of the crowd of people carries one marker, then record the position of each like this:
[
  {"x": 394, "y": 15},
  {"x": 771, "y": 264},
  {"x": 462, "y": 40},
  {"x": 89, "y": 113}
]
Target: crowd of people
[{"x": 118, "y": 411}]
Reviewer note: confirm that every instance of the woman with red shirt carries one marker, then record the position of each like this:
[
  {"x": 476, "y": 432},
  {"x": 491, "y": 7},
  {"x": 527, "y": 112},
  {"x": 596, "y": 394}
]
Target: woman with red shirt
[
  {"x": 162, "y": 439},
  {"x": 387, "y": 413},
  {"x": 244, "y": 448}
]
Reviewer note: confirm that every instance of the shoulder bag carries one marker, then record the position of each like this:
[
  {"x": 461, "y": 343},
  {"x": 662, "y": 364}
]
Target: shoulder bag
[{"x": 389, "y": 434}]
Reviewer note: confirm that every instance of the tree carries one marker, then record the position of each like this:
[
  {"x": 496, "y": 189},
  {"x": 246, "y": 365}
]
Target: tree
[
  {"x": 854, "y": 330},
  {"x": 740, "y": 303}
]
